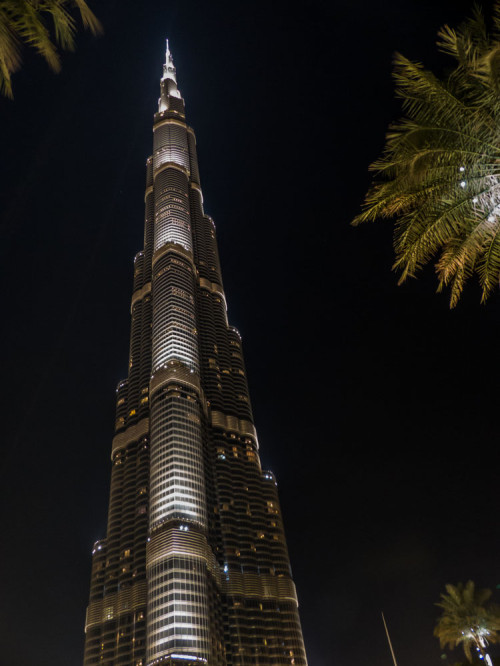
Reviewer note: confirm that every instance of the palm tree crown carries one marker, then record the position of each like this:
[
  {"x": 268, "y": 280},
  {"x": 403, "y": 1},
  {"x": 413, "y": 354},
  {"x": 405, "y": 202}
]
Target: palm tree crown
[
  {"x": 32, "y": 22},
  {"x": 465, "y": 619},
  {"x": 439, "y": 174}
]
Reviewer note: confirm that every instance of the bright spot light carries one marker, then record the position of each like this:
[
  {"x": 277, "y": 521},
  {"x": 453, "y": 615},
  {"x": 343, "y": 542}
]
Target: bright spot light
[
  {"x": 462, "y": 168},
  {"x": 463, "y": 183}
]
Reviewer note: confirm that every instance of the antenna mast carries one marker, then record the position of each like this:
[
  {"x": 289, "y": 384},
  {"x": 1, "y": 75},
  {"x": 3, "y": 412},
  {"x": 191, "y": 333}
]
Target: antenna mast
[{"x": 389, "y": 641}]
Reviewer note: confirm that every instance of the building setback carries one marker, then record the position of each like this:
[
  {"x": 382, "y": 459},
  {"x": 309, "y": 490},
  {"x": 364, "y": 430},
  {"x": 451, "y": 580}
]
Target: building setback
[{"x": 194, "y": 568}]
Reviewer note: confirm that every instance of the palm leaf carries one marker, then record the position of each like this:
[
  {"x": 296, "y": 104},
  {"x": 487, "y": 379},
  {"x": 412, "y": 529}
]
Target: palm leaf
[
  {"x": 89, "y": 20},
  {"x": 43, "y": 25},
  {"x": 439, "y": 173},
  {"x": 10, "y": 53}
]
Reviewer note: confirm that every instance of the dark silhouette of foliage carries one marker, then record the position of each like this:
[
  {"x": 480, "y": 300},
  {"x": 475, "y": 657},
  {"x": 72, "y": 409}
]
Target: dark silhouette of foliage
[{"x": 43, "y": 25}]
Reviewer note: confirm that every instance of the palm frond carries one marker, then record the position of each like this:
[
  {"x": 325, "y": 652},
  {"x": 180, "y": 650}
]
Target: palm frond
[
  {"x": 64, "y": 24},
  {"x": 439, "y": 173},
  {"x": 43, "y": 25},
  {"x": 89, "y": 20},
  {"x": 495, "y": 16},
  {"x": 32, "y": 30},
  {"x": 10, "y": 53}
]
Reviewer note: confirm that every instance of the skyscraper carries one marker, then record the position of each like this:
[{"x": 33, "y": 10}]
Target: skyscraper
[{"x": 194, "y": 568}]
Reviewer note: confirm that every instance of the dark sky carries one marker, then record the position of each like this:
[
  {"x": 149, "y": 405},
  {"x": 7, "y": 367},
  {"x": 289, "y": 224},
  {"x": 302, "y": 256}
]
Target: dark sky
[{"x": 376, "y": 406}]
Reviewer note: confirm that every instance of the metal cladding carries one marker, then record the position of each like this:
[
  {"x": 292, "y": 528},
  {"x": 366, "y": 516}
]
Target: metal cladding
[{"x": 194, "y": 568}]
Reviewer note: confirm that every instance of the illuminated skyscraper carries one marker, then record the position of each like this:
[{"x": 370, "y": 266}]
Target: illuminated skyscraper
[{"x": 194, "y": 567}]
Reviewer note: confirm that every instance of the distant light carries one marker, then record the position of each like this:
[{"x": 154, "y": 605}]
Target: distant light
[
  {"x": 462, "y": 168},
  {"x": 463, "y": 184}
]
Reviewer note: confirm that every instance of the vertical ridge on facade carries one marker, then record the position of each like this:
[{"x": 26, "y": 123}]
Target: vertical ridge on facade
[{"x": 194, "y": 567}]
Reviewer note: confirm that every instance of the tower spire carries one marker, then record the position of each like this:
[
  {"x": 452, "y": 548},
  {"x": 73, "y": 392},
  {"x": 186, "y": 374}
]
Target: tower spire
[
  {"x": 168, "y": 67},
  {"x": 168, "y": 83}
]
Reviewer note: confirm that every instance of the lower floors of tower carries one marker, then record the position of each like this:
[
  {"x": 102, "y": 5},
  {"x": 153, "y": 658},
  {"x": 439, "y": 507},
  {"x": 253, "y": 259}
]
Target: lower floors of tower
[
  {"x": 243, "y": 632},
  {"x": 194, "y": 568}
]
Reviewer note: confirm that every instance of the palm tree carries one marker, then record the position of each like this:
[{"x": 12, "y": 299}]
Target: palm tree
[
  {"x": 439, "y": 175},
  {"x": 32, "y": 22},
  {"x": 465, "y": 620}
]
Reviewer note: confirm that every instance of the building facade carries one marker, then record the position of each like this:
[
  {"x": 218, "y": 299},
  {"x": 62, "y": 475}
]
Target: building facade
[{"x": 194, "y": 568}]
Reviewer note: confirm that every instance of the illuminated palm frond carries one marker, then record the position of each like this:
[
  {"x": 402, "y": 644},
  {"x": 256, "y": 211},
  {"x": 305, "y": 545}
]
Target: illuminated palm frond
[
  {"x": 466, "y": 620},
  {"x": 44, "y": 25},
  {"x": 439, "y": 175}
]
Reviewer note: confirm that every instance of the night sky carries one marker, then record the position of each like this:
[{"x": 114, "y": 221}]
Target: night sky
[{"x": 376, "y": 406}]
